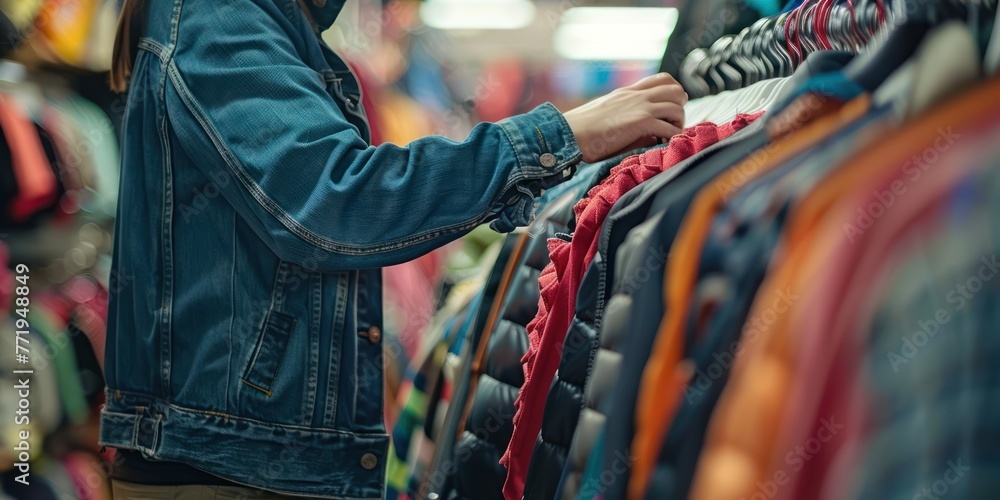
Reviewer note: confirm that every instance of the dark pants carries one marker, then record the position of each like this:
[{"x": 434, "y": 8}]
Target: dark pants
[{"x": 132, "y": 491}]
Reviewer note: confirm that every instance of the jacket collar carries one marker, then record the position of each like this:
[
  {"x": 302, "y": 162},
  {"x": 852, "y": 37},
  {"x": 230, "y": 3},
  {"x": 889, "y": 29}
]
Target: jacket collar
[{"x": 324, "y": 12}]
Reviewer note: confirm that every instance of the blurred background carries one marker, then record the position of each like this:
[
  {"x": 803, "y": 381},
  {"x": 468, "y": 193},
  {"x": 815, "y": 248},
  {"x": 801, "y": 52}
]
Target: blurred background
[{"x": 430, "y": 67}]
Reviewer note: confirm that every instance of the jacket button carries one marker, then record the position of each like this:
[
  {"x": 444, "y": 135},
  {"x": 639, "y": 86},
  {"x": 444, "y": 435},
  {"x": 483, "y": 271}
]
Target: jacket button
[
  {"x": 373, "y": 334},
  {"x": 368, "y": 461},
  {"x": 548, "y": 160}
]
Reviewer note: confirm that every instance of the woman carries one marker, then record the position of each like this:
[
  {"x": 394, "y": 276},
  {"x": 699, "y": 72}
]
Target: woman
[{"x": 244, "y": 335}]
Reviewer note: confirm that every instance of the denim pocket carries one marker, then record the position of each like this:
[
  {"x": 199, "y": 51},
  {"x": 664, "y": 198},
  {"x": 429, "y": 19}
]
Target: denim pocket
[{"x": 269, "y": 352}]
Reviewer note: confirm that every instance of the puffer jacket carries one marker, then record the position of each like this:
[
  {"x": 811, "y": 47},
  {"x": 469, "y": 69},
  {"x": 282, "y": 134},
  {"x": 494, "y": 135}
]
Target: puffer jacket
[
  {"x": 477, "y": 472},
  {"x": 565, "y": 400},
  {"x": 635, "y": 257},
  {"x": 444, "y": 431},
  {"x": 471, "y": 468}
]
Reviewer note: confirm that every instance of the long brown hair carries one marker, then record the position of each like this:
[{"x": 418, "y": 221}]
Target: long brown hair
[{"x": 127, "y": 43}]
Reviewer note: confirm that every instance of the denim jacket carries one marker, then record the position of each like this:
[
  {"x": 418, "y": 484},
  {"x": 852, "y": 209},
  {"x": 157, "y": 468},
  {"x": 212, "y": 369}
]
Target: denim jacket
[{"x": 244, "y": 329}]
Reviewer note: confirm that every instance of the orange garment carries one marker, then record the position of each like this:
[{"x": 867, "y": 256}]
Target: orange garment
[
  {"x": 64, "y": 28},
  {"x": 740, "y": 445},
  {"x": 664, "y": 378},
  {"x": 830, "y": 352}
]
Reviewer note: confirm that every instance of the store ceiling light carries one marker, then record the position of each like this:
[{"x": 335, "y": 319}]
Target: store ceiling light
[
  {"x": 477, "y": 14},
  {"x": 614, "y": 33}
]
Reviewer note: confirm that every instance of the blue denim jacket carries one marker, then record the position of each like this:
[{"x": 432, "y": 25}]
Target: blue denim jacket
[{"x": 244, "y": 323}]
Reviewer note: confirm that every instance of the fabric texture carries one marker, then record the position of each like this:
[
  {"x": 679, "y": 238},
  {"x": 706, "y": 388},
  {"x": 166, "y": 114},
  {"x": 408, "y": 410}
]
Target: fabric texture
[
  {"x": 662, "y": 386},
  {"x": 497, "y": 373},
  {"x": 560, "y": 280},
  {"x": 245, "y": 140},
  {"x": 733, "y": 460}
]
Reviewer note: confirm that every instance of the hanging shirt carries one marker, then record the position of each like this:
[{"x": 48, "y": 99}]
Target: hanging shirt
[
  {"x": 733, "y": 458},
  {"x": 560, "y": 280},
  {"x": 665, "y": 376}
]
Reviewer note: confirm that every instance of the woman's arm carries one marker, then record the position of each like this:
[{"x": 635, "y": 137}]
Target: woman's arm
[{"x": 259, "y": 123}]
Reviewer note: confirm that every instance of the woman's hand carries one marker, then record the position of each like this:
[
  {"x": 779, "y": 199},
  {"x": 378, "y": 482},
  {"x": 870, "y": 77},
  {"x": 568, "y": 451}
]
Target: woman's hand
[{"x": 629, "y": 117}]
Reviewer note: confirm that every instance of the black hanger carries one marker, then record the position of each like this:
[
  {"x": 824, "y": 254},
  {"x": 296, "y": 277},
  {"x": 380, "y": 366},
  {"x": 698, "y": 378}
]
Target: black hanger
[
  {"x": 749, "y": 68},
  {"x": 694, "y": 84},
  {"x": 753, "y": 52},
  {"x": 870, "y": 71},
  {"x": 726, "y": 74},
  {"x": 779, "y": 44}
]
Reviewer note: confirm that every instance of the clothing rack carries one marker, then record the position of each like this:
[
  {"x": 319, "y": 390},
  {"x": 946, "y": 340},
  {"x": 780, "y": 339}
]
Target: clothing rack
[
  {"x": 774, "y": 46},
  {"x": 740, "y": 306}
]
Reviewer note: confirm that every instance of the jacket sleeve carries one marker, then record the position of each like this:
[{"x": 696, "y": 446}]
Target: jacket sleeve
[{"x": 247, "y": 110}]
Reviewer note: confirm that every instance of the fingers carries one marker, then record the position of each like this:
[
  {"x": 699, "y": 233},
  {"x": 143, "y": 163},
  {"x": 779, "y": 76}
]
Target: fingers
[
  {"x": 654, "y": 81},
  {"x": 659, "y": 128},
  {"x": 668, "y": 111},
  {"x": 668, "y": 93}
]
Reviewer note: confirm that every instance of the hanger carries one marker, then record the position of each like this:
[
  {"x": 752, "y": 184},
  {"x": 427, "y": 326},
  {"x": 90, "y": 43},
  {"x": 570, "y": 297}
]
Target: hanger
[
  {"x": 790, "y": 40},
  {"x": 727, "y": 74},
  {"x": 693, "y": 83},
  {"x": 889, "y": 49},
  {"x": 871, "y": 71},
  {"x": 768, "y": 65},
  {"x": 773, "y": 47},
  {"x": 714, "y": 81},
  {"x": 752, "y": 69},
  {"x": 808, "y": 37},
  {"x": 780, "y": 44}
]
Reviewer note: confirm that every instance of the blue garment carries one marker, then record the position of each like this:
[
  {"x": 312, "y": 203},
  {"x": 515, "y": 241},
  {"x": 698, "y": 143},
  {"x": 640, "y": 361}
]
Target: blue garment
[
  {"x": 245, "y": 314},
  {"x": 930, "y": 364},
  {"x": 733, "y": 264},
  {"x": 791, "y": 5},
  {"x": 765, "y": 7}
]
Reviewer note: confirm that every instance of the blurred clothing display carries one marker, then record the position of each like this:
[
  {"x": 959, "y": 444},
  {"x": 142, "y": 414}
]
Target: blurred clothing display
[
  {"x": 77, "y": 33},
  {"x": 725, "y": 330}
]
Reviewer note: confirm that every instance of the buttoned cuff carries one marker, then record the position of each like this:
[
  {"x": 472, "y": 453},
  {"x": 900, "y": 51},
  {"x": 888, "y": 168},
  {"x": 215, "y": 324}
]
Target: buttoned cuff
[{"x": 546, "y": 153}]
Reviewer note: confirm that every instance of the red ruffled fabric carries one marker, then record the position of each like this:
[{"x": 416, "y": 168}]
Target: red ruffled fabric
[{"x": 560, "y": 280}]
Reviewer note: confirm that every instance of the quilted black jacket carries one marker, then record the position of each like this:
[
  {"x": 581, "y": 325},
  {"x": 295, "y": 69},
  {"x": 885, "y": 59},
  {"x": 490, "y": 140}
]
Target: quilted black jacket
[{"x": 477, "y": 473}]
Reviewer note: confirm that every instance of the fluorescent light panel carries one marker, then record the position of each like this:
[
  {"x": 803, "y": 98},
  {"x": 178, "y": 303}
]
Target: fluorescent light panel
[{"x": 614, "y": 33}]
